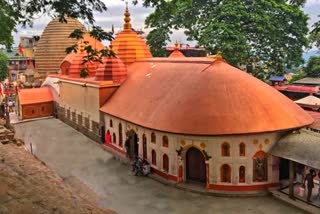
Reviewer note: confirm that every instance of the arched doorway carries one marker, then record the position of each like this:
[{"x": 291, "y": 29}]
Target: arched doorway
[
  {"x": 195, "y": 166},
  {"x": 132, "y": 144}
]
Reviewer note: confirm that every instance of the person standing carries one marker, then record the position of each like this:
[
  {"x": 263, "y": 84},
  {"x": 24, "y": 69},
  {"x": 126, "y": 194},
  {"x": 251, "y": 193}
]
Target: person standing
[{"x": 309, "y": 178}]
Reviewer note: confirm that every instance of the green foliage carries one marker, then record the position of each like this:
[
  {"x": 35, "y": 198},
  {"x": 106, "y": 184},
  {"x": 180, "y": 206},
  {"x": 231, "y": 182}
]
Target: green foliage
[
  {"x": 92, "y": 55},
  {"x": 3, "y": 67},
  {"x": 313, "y": 67},
  {"x": 275, "y": 31},
  {"x": 297, "y": 77},
  {"x": 315, "y": 34},
  {"x": 8, "y": 21},
  {"x": 23, "y": 12},
  {"x": 84, "y": 73}
]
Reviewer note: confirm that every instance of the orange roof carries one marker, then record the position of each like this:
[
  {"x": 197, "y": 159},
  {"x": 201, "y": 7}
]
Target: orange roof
[
  {"x": 112, "y": 68},
  {"x": 75, "y": 60},
  {"x": 201, "y": 96},
  {"x": 35, "y": 95},
  {"x": 128, "y": 45},
  {"x": 176, "y": 53}
]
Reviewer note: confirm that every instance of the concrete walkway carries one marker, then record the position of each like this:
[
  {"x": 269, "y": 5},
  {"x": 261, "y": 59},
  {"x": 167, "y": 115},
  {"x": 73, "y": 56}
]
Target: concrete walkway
[{"x": 72, "y": 154}]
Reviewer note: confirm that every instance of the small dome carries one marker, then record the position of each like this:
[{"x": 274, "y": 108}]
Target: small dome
[
  {"x": 112, "y": 68},
  {"x": 128, "y": 45},
  {"x": 52, "y": 45},
  {"x": 73, "y": 62},
  {"x": 176, "y": 52}
]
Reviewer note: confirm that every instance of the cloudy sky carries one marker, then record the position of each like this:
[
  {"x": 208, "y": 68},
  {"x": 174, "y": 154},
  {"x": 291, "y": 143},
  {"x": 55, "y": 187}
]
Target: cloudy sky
[{"x": 114, "y": 16}]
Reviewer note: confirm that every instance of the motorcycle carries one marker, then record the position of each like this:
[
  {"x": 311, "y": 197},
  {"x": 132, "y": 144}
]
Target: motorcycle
[{"x": 140, "y": 167}]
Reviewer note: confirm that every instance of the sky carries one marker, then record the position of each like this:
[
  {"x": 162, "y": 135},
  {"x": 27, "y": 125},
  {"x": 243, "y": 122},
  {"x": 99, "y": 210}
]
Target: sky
[{"x": 114, "y": 16}]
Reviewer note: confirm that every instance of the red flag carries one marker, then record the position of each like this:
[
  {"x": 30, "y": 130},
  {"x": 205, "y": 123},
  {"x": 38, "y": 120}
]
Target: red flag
[
  {"x": 20, "y": 49},
  {"x": 112, "y": 29}
]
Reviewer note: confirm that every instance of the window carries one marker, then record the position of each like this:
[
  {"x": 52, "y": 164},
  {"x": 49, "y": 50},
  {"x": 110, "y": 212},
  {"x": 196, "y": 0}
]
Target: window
[
  {"x": 153, "y": 157},
  {"x": 260, "y": 167},
  {"x": 165, "y": 163},
  {"x": 114, "y": 138},
  {"x": 144, "y": 147},
  {"x": 153, "y": 137},
  {"x": 111, "y": 124},
  {"x": 225, "y": 173},
  {"x": 32, "y": 112},
  {"x": 42, "y": 108},
  {"x": 165, "y": 141},
  {"x": 242, "y": 174},
  {"x": 79, "y": 119},
  {"x": 120, "y": 134},
  {"x": 242, "y": 149},
  {"x": 225, "y": 149}
]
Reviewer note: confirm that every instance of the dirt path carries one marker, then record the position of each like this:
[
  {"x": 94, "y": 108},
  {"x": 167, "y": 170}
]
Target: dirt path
[{"x": 28, "y": 186}]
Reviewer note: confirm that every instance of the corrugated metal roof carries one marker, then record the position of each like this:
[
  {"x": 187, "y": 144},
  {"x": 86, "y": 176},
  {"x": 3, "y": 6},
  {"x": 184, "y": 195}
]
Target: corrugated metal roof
[
  {"x": 277, "y": 78},
  {"x": 302, "y": 146}
]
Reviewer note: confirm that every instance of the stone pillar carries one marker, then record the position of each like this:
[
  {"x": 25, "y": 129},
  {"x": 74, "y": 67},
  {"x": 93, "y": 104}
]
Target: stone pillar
[
  {"x": 207, "y": 174},
  {"x": 291, "y": 179}
]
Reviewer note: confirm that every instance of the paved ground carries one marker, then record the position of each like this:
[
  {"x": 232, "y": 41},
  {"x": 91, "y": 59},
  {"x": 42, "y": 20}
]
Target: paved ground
[{"x": 72, "y": 154}]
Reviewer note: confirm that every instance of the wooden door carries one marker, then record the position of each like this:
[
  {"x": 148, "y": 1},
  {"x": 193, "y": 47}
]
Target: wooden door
[{"x": 196, "y": 167}]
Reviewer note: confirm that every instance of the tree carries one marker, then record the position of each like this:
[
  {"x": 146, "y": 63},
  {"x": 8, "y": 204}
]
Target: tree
[
  {"x": 3, "y": 67},
  {"x": 275, "y": 31},
  {"x": 13, "y": 12},
  {"x": 315, "y": 34},
  {"x": 313, "y": 67}
]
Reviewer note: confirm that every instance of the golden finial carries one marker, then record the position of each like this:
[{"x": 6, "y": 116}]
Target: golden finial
[
  {"x": 127, "y": 24},
  {"x": 176, "y": 46},
  {"x": 81, "y": 47},
  {"x": 217, "y": 56}
]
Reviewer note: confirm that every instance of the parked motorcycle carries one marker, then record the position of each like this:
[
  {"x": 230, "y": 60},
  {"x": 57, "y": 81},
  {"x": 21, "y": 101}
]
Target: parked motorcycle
[{"x": 140, "y": 167}]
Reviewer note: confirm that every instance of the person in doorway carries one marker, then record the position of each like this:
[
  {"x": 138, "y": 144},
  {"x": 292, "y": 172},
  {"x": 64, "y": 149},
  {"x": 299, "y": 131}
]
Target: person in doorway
[{"x": 309, "y": 178}]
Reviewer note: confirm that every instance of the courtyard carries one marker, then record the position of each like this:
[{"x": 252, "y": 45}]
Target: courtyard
[{"x": 72, "y": 155}]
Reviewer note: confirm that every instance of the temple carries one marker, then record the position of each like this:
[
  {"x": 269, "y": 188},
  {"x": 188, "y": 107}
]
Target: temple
[{"x": 194, "y": 119}]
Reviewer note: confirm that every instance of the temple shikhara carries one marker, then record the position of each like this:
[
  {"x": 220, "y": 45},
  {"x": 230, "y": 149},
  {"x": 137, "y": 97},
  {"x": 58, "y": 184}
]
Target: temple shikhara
[{"x": 194, "y": 119}]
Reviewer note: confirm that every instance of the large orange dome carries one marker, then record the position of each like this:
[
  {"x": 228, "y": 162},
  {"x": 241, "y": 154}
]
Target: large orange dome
[
  {"x": 52, "y": 45},
  {"x": 201, "y": 96},
  {"x": 128, "y": 45}
]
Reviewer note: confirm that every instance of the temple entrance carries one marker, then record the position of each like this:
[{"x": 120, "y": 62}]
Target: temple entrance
[
  {"x": 132, "y": 147},
  {"x": 195, "y": 166},
  {"x": 283, "y": 169}
]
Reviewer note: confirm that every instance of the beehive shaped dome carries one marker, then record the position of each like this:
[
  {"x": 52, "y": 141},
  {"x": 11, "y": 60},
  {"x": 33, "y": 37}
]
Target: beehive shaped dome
[
  {"x": 53, "y": 43},
  {"x": 128, "y": 45},
  {"x": 112, "y": 68},
  {"x": 176, "y": 53},
  {"x": 73, "y": 62}
]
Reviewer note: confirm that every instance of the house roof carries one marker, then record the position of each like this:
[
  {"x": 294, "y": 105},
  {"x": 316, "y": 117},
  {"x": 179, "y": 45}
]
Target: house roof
[
  {"x": 302, "y": 146},
  {"x": 277, "y": 78},
  {"x": 308, "y": 81},
  {"x": 201, "y": 96},
  {"x": 35, "y": 95},
  {"x": 309, "y": 100}
]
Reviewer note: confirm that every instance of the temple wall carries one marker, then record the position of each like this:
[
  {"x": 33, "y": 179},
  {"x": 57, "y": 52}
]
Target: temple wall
[{"x": 212, "y": 146}]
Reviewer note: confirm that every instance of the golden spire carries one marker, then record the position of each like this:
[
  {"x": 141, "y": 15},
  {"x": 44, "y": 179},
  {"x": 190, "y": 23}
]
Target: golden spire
[
  {"x": 176, "y": 46},
  {"x": 127, "y": 24}
]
